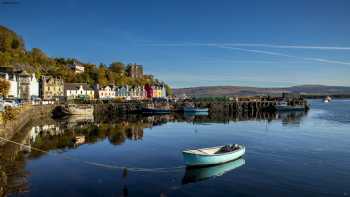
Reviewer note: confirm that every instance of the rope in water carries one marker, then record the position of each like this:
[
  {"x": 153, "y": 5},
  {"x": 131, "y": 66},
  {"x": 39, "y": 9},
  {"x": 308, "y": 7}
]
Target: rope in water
[{"x": 97, "y": 164}]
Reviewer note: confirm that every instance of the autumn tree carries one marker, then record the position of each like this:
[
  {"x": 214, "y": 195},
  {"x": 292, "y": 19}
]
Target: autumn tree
[
  {"x": 117, "y": 67},
  {"x": 102, "y": 77}
]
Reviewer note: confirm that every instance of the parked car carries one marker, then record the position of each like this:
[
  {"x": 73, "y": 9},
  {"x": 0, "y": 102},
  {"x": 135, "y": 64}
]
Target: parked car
[{"x": 9, "y": 103}]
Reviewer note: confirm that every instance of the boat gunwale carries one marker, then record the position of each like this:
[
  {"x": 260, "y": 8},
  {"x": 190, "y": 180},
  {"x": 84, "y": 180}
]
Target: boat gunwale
[{"x": 242, "y": 147}]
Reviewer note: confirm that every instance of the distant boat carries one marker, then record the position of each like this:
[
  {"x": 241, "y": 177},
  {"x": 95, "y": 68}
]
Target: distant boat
[
  {"x": 202, "y": 173},
  {"x": 213, "y": 155},
  {"x": 79, "y": 139},
  {"x": 283, "y": 106},
  {"x": 195, "y": 110},
  {"x": 156, "y": 109},
  {"x": 327, "y": 99}
]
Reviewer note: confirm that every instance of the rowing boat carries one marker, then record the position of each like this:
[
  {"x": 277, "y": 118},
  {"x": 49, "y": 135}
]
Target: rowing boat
[{"x": 213, "y": 155}]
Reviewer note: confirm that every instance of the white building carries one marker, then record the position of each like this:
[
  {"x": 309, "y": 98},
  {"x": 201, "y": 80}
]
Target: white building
[
  {"x": 12, "y": 79},
  {"x": 137, "y": 93},
  {"x": 22, "y": 85},
  {"x": 78, "y": 91},
  {"x": 76, "y": 67},
  {"x": 34, "y": 86},
  {"x": 105, "y": 93}
]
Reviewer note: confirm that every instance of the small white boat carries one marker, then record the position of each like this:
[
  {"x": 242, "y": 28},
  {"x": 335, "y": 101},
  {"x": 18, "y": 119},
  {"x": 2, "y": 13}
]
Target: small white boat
[
  {"x": 213, "y": 155},
  {"x": 79, "y": 139},
  {"x": 327, "y": 99}
]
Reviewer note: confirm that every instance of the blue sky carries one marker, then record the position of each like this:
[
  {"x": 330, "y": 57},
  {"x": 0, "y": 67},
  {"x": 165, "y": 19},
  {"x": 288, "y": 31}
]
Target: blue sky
[{"x": 196, "y": 42}]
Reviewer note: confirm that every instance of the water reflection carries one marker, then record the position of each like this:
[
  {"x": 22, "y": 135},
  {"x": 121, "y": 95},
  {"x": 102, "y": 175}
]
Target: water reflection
[
  {"x": 59, "y": 135},
  {"x": 202, "y": 173},
  {"x": 291, "y": 118}
]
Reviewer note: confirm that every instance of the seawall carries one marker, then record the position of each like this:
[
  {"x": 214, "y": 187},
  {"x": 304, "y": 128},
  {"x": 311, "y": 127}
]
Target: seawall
[{"x": 26, "y": 114}]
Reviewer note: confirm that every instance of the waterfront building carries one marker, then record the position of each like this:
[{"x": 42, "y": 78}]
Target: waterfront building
[
  {"x": 105, "y": 93},
  {"x": 77, "y": 67},
  {"x": 78, "y": 91},
  {"x": 149, "y": 91},
  {"x": 51, "y": 88},
  {"x": 28, "y": 86},
  {"x": 122, "y": 92},
  {"x": 137, "y": 93},
  {"x": 159, "y": 91},
  {"x": 134, "y": 71},
  {"x": 155, "y": 91},
  {"x": 22, "y": 84},
  {"x": 12, "y": 79}
]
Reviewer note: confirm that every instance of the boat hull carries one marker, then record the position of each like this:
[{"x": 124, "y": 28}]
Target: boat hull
[
  {"x": 290, "y": 108},
  {"x": 214, "y": 159},
  {"x": 195, "y": 110},
  {"x": 155, "y": 111}
]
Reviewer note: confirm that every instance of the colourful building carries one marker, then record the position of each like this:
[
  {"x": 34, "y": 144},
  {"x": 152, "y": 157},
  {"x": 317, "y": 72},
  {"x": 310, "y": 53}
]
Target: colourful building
[{"x": 51, "y": 88}]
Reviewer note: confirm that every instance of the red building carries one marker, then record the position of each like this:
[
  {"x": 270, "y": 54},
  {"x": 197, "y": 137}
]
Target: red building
[{"x": 149, "y": 91}]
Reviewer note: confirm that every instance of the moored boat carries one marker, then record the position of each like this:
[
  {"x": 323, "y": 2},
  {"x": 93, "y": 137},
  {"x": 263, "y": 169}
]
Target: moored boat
[
  {"x": 283, "y": 106},
  {"x": 213, "y": 155},
  {"x": 327, "y": 99},
  {"x": 74, "y": 109},
  {"x": 152, "y": 109},
  {"x": 195, "y": 110},
  {"x": 155, "y": 111}
]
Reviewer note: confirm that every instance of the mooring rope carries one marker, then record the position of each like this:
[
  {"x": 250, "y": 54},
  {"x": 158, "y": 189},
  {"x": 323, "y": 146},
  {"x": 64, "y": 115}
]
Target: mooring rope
[{"x": 97, "y": 164}]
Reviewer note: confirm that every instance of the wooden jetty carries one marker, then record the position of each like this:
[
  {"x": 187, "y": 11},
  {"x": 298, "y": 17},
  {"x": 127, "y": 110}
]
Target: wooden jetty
[{"x": 238, "y": 105}]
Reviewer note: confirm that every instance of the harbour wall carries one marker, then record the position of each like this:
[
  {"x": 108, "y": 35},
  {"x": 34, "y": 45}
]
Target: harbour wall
[{"x": 25, "y": 114}]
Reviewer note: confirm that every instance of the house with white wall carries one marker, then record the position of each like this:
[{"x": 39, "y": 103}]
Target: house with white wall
[
  {"x": 78, "y": 91},
  {"x": 105, "y": 93},
  {"x": 11, "y": 78}
]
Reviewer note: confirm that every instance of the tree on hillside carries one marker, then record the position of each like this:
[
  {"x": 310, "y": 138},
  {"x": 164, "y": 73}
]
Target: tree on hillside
[
  {"x": 117, "y": 67},
  {"x": 169, "y": 91},
  {"x": 10, "y": 41},
  {"x": 102, "y": 77},
  {"x": 4, "y": 87}
]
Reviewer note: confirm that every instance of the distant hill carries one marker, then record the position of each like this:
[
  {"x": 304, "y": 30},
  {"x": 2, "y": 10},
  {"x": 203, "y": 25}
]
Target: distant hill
[{"x": 252, "y": 91}]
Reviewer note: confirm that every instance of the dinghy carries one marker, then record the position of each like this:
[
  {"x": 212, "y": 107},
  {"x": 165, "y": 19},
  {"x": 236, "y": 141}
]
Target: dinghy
[{"x": 213, "y": 155}]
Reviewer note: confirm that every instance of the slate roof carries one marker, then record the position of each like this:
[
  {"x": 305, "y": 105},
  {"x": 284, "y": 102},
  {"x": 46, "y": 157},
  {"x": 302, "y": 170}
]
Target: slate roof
[{"x": 76, "y": 86}]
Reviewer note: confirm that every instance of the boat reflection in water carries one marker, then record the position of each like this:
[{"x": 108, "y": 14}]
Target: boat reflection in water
[
  {"x": 195, "y": 174},
  {"x": 292, "y": 118},
  {"x": 196, "y": 113}
]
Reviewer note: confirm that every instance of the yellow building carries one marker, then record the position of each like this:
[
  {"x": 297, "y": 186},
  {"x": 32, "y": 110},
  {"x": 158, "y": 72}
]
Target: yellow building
[{"x": 51, "y": 88}]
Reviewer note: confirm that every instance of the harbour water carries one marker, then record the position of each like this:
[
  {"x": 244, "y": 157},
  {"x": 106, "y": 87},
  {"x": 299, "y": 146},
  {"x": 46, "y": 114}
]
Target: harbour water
[{"x": 289, "y": 154}]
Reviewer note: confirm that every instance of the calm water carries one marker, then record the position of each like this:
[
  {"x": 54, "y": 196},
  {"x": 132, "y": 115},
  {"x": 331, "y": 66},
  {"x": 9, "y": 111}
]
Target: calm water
[{"x": 287, "y": 155}]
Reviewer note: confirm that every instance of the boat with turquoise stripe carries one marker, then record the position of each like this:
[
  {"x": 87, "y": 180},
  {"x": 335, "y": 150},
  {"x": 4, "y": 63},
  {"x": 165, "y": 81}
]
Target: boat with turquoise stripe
[
  {"x": 213, "y": 155},
  {"x": 195, "y": 110}
]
